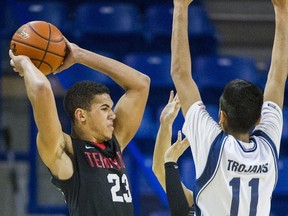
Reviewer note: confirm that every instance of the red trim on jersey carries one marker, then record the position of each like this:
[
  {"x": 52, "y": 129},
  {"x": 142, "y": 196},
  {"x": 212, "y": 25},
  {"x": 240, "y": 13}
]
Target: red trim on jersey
[{"x": 100, "y": 145}]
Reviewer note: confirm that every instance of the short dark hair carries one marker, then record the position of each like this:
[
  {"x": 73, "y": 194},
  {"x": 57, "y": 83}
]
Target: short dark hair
[
  {"x": 81, "y": 94},
  {"x": 242, "y": 102}
]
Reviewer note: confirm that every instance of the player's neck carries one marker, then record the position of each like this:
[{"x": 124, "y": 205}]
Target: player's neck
[
  {"x": 80, "y": 133},
  {"x": 244, "y": 137}
]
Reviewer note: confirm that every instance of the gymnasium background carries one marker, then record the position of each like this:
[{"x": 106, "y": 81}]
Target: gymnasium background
[{"x": 228, "y": 39}]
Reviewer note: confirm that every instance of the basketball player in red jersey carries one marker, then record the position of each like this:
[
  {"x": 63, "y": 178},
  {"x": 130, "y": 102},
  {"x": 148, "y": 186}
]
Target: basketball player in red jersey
[{"x": 87, "y": 165}]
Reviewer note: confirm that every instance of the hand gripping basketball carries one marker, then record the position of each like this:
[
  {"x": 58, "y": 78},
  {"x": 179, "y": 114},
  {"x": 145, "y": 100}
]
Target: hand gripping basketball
[{"x": 42, "y": 42}]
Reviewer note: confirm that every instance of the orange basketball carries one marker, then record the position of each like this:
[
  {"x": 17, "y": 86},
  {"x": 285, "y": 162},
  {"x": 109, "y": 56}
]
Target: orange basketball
[{"x": 42, "y": 42}]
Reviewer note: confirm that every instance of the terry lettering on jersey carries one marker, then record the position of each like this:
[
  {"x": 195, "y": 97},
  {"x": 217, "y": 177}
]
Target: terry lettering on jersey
[
  {"x": 235, "y": 166},
  {"x": 98, "y": 160}
]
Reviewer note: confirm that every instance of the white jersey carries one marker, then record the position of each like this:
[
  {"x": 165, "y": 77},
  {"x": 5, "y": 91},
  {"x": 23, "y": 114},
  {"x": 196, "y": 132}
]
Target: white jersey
[{"x": 234, "y": 178}]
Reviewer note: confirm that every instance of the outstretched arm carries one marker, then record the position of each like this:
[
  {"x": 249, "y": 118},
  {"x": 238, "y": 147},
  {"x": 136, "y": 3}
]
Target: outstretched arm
[
  {"x": 181, "y": 60},
  {"x": 130, "y": 108},
  {"x": 163, "y": 139},
  {"x": 180, "y": 198},
  {"x": 164, "y": 152},
  {"x": 277, "y": 76}
]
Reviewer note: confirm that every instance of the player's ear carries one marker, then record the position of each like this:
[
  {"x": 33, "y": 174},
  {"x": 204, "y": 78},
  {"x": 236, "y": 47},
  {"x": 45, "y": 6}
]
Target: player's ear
[
  {"x": 80, "y": 115},
  {"x": 222, "y": 119}
]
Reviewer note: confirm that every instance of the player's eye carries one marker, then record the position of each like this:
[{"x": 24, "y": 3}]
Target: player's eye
[{"x": 105, "y": 109}]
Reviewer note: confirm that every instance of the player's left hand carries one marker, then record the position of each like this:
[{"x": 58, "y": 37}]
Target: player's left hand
[
  {"x": 70, "y": 58},
  {"x": 177, "y": 149},
  {"x": 171, "y": 109}
]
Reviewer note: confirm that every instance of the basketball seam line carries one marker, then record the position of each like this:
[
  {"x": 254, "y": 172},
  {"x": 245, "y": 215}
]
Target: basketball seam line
[
  {"x": 18, "y": 41},
  {"x": 43, "y": 57},
  {"x": 42, "y": 36},
  {"x": 45, "y": 51}
]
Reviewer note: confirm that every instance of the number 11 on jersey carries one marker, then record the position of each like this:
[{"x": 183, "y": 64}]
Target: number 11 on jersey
[{"x": 235, "y": 184}]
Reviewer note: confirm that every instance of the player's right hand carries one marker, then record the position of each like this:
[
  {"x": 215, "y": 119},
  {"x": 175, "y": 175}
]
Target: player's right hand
[{"x": 70, "y": 58}]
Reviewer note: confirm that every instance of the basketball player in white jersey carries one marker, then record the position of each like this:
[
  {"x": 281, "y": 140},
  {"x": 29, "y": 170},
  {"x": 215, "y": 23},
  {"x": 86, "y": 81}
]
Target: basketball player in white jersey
[{"x": 235, "y": 160}]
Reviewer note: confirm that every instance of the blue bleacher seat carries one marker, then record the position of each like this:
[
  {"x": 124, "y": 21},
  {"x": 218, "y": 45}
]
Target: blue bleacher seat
[
  {"x": 54, "y": 12},
  {"x": 142, "y": 4},
  {"x": 213, "y": 110},
  {"x": 280, "y": 196},
  {"x": 155, "y": 65},
  {"x": 284, "y": 139},
  {"x": 148, "y": 3},
  {"x": 3, "y": 24},
  {"x": 158, "y": 25},
  {"x": 1, "y": 98},
  {"x": 212, "y": 72},
  {"x": 187, "y": 169},
  {"x": 146, "y": 134},
  {"x": 78, "y": 73},
  {"x": 177, "y": 125},
  {"x": 282, "y": 186},
  {"x": 109, "y": 26},
  {"x": 161, "y": 213}
]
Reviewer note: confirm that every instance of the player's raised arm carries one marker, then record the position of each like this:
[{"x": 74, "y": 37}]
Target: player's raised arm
[
  {"x": 50, "y": 140},
  {"x": 180, "y": 198},
  {"x": 130, "y": 108},
  {"x": 275, "y": 85},
  {"x": 164, "y": 135},
  {"x": 181, "y": 60},
  {"x": 165, "y": 157}
]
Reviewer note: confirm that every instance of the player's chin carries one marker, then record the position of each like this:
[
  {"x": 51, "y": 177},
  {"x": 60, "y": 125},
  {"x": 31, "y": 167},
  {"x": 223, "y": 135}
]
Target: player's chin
[
  {"x": 109, "y": 133},
  {"x": 108, "y": 137}
]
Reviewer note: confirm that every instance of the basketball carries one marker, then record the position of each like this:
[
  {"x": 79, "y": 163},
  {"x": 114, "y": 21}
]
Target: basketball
[{"x": 42, "y": 42}]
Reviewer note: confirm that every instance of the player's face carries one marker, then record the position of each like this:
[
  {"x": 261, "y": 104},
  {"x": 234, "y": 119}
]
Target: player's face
[{"x": 100, "y": 118}]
